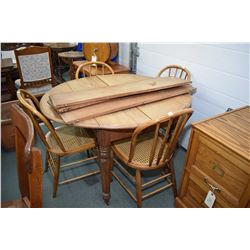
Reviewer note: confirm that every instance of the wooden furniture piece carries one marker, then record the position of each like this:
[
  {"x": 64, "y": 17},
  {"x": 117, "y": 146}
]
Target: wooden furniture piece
[
  {"x": 56, "y": 48},
  {"x": 115, "y": 126},
  {"x": 35, "y": 69},
  {"x": 59, "y": 142},
  {"x": 7, "y": 127},
  {"x": 175, "y": 71},
  {"x": 69, "y": 57},
  {"x": 13, "y": 46},
  {"x": 82, "y": 98},
  {"x": 61, "y": 46},
  {"x": 93, "y": 69},
  {"x": 8, "y": 69},
  {"x": 29, "y": 162},
  {"x": 117, "y": 104},
  {"x": 103, "y": 52},
  {"x": 149, "y": 149},
  {"x": 218, "y": 159},
  {"x": 117, "y": 68}
]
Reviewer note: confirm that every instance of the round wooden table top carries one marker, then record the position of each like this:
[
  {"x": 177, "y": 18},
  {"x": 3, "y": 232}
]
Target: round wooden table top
[
  {"x": 71, "y": 54},
  {"x": 126, "y": 119},
  {"x": 60, "y": 45}
]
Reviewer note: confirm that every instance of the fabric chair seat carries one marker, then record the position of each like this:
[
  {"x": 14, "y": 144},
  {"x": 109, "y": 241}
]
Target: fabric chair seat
[
  {"x": 73, "y": 139},
  {"x": 34, "y": 90}
]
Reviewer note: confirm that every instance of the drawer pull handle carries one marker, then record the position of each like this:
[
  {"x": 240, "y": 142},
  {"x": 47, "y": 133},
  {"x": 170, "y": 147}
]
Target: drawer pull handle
[
  {"x": 218, "y": 170},
  {"x": 214, "y": 189}
]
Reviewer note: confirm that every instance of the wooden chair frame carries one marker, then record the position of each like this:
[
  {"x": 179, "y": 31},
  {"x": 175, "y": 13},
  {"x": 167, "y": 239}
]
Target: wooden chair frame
[
  {"x": 53, "y": 157},
  {"x": 176, "y": 68},
  {"x": 29, "y": 160},
  {"x": 33, "y": 50},
  {"x": 159, "y": 158},
  {"x": 93, "y": 65}
]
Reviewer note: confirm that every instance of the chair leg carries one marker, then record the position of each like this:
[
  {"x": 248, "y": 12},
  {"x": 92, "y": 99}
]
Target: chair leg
[
  {"x": 88, "y": 153},
  {"x": 171, "y": 166},
  {"x": 56, "y": 177},
  {"x": 47, "y": 162},
  {"x": 138, "y": 188}
]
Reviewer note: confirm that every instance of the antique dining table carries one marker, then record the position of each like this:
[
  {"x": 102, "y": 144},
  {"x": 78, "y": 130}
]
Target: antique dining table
[{"x": 119, "y": 125}]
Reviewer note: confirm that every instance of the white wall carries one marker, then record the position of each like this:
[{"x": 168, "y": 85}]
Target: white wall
[
  {"x": 219, "y": 71},
  {"x": 124, "y": 54}
]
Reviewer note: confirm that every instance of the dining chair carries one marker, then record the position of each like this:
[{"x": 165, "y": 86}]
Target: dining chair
[
  {"x": 92, "y": 69},
  {"x": 148, "y": 150},
  {"x": 59, "y": 142},
  {"x": 35, "y": 69},
  {"x": 176, "y": 71},
  {"x": 29, "y": 162}
]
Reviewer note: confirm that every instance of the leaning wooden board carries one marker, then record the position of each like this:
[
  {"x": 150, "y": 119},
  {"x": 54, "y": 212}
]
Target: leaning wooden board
[
  {"x": 125, "y": 119},
  {"x": 74, "y": 100},
  {"x": 122, "y": 103}
]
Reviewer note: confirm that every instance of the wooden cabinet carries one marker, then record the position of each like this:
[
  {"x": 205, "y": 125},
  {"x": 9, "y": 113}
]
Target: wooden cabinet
[{"x": 218, "y": 159}]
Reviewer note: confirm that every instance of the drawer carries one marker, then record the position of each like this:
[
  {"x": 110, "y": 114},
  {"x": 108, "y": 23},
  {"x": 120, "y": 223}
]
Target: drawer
[
  {"x": 203, "y": 184},
  {"x": 218, "y": 165},
  {"x": 197, "y": 195}
]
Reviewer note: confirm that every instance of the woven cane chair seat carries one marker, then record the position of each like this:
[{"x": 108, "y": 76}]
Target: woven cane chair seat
[
  {"x": 150, "y": 149},
  {"x": 142, "y": 151},
  {"x": 73, "y": 139},
  {"x": 59, "y": 142}
]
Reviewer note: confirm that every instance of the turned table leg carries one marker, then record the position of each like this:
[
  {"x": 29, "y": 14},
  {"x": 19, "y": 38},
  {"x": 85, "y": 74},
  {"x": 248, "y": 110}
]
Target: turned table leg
[
  {"x": 105, "y": 162},
  {"x": 104, "y": 140}
]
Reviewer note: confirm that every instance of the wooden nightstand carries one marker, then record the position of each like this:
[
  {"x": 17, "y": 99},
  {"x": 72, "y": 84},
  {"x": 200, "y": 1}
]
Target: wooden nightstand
[{"x": 218, "y": 158}]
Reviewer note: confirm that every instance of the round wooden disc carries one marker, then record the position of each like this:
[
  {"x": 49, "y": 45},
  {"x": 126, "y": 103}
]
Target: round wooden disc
[
  {"x": 113, "y": 51},
  {"x": 102, "y": 51}
]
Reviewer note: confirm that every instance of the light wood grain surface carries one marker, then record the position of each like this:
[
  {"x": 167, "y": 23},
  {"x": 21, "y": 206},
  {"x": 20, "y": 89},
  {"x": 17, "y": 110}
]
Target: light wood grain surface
[
  {"x": 60, "y": 45},
  {"x": 71, "y": 54},
  {"x": 218, "y": 159},
  {"x": 231, "y": 129},
  {"x": 129, "y": 118},
  {"x": 119, "y": 104},
  {"x": 82, "y": 98}
]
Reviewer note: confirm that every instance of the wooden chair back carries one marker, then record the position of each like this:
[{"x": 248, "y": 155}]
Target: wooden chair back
[
  {"x": 29, "y": 159},
  {"x": 32, "y": 108},
  {"x": 176, "y": 71},
  {"x": 34, "y": 66},
  {"x": 168, "y": 129},
  {"x": 93, "y": 69}
]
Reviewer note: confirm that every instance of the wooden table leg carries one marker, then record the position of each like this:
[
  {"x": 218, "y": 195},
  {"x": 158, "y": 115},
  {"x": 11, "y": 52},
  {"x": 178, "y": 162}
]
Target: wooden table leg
[
  {"x": 104, "y": 140},
  {"x": 105, "y": 161},
  {"x": 72, "y": 70}
]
